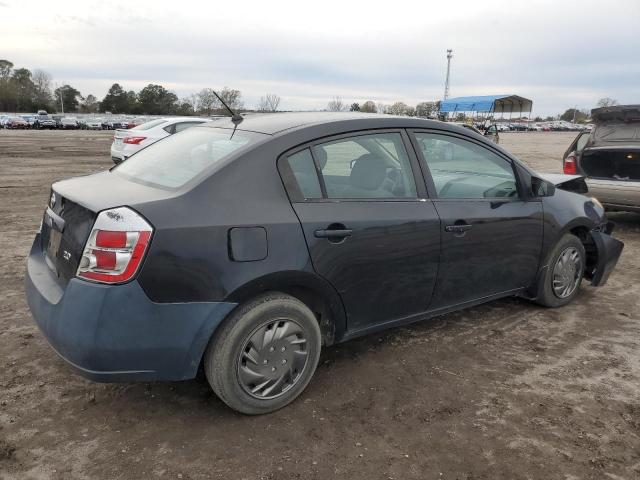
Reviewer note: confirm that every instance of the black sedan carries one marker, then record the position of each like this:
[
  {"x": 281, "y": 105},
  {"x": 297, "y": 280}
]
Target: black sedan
[{"x": 245, "y": 246}]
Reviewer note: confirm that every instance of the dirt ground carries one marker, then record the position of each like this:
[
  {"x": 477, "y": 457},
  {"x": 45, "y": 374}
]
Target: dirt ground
[{"x": 508, "y": 390}]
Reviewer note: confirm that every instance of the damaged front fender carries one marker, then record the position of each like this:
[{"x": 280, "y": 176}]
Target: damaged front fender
[{"x": 608, "y": 250}]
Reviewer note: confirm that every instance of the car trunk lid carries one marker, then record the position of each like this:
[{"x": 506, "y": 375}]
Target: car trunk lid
[
  {"x": 72, "y": 209},
  {"x": 65, "y": 228},
  {"x": 119, "y": 135}
]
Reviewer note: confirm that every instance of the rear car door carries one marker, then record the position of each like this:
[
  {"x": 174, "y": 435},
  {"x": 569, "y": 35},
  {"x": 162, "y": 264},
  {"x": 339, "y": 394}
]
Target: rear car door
[
  {"x": 370, "y": 230},
  {"x": 491, "y": 231}
]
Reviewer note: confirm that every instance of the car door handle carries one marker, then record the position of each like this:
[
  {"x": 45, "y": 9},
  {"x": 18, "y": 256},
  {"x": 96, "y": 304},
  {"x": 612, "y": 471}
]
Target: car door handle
[
  {"x": 342, "y": 233},
  {"x": 457, "y": 228}
]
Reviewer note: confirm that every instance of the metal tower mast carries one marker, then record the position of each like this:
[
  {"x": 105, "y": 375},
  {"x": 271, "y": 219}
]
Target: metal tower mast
[{"x": 446, "y": 83}]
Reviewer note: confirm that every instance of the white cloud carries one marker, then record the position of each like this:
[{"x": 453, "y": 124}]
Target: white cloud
[{"x": 560, "y": 54}]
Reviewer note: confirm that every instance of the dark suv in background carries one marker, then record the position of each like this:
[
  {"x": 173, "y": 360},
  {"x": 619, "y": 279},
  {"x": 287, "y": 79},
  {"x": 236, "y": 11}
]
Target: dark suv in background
[{"x": 244, "y": 246}]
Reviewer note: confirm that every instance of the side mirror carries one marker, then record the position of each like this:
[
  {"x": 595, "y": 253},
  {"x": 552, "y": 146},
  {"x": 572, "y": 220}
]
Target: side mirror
[{"x": 542, "y": 188}]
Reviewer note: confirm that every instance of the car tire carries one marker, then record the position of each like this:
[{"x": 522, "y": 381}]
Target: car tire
[
  {"x": 264, "y": 354},
  {"x": 563, "y": 276}
]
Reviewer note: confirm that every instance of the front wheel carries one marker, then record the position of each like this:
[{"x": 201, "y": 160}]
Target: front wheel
[
  {"x": 264, "y": 354},
  {"x": 564, "y": 275}
]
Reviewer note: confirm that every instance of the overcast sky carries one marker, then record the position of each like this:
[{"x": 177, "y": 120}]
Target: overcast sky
[{"x": 558, "y": 53}]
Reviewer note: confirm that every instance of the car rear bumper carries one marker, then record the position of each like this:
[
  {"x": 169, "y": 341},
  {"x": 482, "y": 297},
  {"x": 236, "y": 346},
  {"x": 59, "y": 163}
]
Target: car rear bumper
[
  {"x": 117, "y": 155},
  {"x": 616, "y": 194},
  {"x": 120, "y": 152},
  {"x": 115, "y": 333}
]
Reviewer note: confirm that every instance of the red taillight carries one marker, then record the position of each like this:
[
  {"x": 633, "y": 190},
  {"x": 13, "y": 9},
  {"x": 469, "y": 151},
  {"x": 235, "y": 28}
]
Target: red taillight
[
  {"x": 116, "y": 246},
  {"x": 109, "y": 239},
  {"x": 570, "y": 166},
  {"x": 133, "y": 140},
  {"x": 104, "y": 260}
]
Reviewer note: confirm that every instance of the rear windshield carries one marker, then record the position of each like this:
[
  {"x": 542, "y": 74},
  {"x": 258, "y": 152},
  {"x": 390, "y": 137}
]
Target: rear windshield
[
  {"x": 180, "y": 158},
  {"x": 617, "y": 132},
  {"x": 148, "y": 125}
]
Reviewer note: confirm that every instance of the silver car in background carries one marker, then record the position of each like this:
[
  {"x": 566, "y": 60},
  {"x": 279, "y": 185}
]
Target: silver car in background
[
  {"x": 609, "y": 156},
  {"x": 126, "y": 142}
]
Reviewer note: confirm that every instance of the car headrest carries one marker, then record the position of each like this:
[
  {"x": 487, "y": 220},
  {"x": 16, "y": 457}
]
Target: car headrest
[
  {"x": 368, "y": 172},
  {"x": 321, "y": 156}
]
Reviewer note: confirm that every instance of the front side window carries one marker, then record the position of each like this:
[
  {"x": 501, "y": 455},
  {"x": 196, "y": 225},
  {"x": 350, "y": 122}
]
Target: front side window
[
  {"x": 178, "y": 159},
  {"x": 462, "y": 169},
  {"x": 366, "y": 166}
]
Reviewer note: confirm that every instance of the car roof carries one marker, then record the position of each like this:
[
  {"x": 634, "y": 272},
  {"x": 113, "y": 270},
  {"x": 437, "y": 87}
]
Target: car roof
[{"x": 275, "y": 123}]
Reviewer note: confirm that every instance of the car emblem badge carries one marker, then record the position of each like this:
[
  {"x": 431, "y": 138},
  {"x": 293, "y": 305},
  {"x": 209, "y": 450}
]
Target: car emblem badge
[{"x": 52, "y": 203}]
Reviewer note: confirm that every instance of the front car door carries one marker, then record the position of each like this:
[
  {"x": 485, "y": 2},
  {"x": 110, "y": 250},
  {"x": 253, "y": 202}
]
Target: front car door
[
  {"x": 492, "y": 232},
  {"x": 369, "y": 229}
]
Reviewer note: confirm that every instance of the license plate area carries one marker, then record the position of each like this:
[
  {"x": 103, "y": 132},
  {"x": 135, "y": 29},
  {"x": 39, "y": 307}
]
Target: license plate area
[{"x": 53, "y": 245}]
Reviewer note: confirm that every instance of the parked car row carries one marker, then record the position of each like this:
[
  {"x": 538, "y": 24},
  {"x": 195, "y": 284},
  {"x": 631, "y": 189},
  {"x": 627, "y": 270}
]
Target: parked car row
[
  {"x": 541, "y": 127},
  {"x": 44, "y": 120},
  {"x": 13, "y": 122}
]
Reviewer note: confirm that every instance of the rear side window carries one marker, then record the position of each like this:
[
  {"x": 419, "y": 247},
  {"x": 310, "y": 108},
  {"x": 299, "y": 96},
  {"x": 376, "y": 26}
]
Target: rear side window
[
  {"x": 463, "y": 169},
  {"x": 304, "y": 170},
  {"x": 148, "y": 125},
  {"x": 582, "y": 141},
  {"x": 366, "y": 167},
  {"x": 617, "y": 132},
  {"x": 184, "y": 125},
  {"x": 178, "y": 159}
]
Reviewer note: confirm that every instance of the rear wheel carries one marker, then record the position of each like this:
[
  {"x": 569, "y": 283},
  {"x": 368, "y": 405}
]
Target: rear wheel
[
  {"x": 264, "y": 355},
  {"x": 564, "y": 276}
]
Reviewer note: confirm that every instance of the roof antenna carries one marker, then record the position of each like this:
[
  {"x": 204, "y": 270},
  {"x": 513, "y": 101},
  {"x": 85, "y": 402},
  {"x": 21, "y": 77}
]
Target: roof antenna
[{"x": 236, "y": 118}]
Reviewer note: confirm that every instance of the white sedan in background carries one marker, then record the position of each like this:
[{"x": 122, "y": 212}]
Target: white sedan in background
[{"x": 127, "y": 142}]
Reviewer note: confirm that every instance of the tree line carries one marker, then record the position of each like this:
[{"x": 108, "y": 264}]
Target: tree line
[
  {"x": 422, "y": 109},
  {"x": 24, "y": 91},
  {"x": 430, "y": 110}
]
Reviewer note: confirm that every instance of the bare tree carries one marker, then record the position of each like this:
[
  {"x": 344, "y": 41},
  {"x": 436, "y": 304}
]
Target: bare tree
[
  {"x": 607, "y": 102},
  {"x": 193, "y": 101},
  {"x": 335, "y": 105},
  {"x": 426, "y": 109},
  {"x": 368, "y": 107},
  {"x": 206, "y": 100},
  {"x": 398, "y": 108},
  {"x": 269, "y": 103},
  {"x": 42, "y": 87},
  {"x": 233, "y": 98},
  {"x": 382, "y": 108}
]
